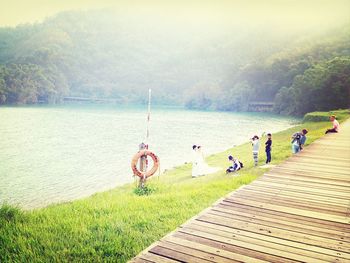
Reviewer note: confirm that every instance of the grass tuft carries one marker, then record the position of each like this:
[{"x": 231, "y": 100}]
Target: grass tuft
[
  {"x": 10, "y": 213},
  {"x": 319, "y": 116},
  {"x": 146, "y": 190}
]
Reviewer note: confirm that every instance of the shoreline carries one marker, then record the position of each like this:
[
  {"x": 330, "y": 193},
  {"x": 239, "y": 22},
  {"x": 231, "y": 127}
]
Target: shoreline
[
  {"x": 118, "y": 224},
  {"x": 111, "y": 169},
  {"x": 162, "y": 173}
]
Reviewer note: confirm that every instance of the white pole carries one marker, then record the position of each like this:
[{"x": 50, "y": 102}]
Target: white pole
[{"x": 149, "y": 114}]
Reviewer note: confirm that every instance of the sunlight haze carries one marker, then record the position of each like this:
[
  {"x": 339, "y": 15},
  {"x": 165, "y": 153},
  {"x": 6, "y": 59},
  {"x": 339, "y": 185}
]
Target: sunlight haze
[{"x": 293, "y": 13}]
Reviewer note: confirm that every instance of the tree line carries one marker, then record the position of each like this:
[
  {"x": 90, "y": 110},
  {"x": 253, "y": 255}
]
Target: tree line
[
  {"x": 307, "y": 77},
  {"x": 99, "y": 55}
]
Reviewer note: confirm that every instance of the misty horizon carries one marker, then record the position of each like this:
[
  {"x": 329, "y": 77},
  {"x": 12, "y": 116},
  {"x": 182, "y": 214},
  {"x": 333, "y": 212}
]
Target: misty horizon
[{"x": 208, "y": 56}]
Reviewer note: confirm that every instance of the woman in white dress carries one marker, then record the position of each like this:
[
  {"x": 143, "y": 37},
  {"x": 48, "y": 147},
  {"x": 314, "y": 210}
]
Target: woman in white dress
[
  {"x": 195, "y": 161},
  {"x": 202, "y": 168}
]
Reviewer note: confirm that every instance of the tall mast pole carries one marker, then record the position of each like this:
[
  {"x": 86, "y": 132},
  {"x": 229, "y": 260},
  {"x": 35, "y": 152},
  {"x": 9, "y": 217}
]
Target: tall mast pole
[{"x": 149, "y": 114}]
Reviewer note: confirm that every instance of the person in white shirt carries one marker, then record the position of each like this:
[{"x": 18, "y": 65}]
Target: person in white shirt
[
  {"x": 335, "y": 125},
  {"x": 256, "y": 146}
]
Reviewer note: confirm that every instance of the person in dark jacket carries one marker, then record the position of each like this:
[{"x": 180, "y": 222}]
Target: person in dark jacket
[{"x": 268, "y": 145}]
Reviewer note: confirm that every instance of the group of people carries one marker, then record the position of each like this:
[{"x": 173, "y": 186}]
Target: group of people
[
  {"x": 255, "y": 141},
  {"x": 298, "y": 140},
  {"x": 256, "y": 146}
]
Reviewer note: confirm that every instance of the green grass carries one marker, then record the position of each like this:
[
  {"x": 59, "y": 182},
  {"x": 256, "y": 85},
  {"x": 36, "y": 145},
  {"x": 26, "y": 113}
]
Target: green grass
[
  {"x": 116, "y": 225},
  {"x": 324, "y": 116}
]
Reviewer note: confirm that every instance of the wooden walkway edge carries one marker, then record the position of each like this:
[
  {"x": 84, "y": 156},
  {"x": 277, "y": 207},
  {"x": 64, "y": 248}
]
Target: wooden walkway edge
[{"x": 297, "y": 212}]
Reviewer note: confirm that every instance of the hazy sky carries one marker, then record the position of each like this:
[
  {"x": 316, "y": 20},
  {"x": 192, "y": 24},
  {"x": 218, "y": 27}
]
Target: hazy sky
[{"x": 294, "y": 12}]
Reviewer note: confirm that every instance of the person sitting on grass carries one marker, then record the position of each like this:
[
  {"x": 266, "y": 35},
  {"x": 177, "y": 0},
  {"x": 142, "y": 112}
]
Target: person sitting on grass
[
  {"x": 236, "y": 165},
  {"x": 298, "y": 140},
  {"x": 335, "y": 125}
]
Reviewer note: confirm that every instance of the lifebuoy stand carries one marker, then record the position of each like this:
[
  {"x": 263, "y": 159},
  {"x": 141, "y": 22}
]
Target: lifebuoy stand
[
  {"x": 143, "y": 165},
  {"x": 140, "y": 159}
]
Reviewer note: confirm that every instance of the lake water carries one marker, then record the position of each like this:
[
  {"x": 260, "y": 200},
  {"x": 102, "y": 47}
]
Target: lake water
[{"x": 55, "y": 154}]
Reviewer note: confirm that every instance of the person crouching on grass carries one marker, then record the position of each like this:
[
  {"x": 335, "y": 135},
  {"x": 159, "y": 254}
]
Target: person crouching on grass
[
  {"x": 335, "y": 125},
  {"x": 298, "y": 140},
  {"x": 268, "y": 145},
  {"x": 256, "y": 146},
  {"x": 236, "y": 165}
]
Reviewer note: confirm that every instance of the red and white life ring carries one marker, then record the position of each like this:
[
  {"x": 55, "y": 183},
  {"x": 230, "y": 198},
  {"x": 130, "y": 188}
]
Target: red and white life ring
[{"x": 136, "y": 158}]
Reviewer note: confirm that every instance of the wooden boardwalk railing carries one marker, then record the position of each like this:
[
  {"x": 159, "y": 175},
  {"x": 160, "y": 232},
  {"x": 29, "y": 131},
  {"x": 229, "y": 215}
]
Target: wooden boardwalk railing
[{"x": 297, "y": 212}]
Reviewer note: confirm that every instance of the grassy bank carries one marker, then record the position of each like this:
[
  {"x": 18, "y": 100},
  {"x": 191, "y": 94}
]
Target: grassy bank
[{"x": 116, "y": 225}]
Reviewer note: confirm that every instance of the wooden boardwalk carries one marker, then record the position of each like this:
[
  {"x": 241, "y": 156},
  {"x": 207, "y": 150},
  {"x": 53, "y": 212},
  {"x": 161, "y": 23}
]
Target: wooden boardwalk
[{"x": 297, "y": 212}]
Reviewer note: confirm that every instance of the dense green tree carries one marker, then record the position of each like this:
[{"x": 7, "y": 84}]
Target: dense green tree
[
  {"x": 98, "y": 54},
  {"x": 322, "y": 87}
]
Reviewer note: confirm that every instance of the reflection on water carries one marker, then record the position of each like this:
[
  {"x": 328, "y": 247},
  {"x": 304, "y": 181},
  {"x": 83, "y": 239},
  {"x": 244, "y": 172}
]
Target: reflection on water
[{"x": 54, "y": 154}]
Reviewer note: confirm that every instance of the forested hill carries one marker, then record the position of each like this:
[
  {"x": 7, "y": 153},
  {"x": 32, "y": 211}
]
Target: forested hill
[{"x": 101, "y": 54}]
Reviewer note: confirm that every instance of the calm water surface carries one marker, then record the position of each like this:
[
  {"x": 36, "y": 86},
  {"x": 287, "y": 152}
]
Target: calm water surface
[{"x": 55, "y": 154}]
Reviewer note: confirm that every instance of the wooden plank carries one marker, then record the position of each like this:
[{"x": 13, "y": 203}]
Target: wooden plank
[
  {"x": 291, "y": 202},
  {"x": 314, "y": 174},
  {"x": 269, "y": 192},
  {"x": 306, "y": 220},
  {"x": 333, "y": 143},
  {"x": 149, "y": 257},
  {"x": 291, "y": 193},
  {"x": 256, "y": 256},
  {"x": 277, "y": 184},
  {"x": 316, "y": 166},
  {"x": 314, "y": 155},
  {"x": 325, "y": 154},
  {"x": 307, "y": 157},
  {"x": 301, "y": 212},
  {"x": 308, "y": 180},
  {"x": 280, "y": 225},
  {"x": 330, "y": 233},
  {"x": 234, "y": 232},
  {"x": 140, "y": 260},
  {"x": 296, "y": 168},
  {"x": 272, "y": 231},
  {"x": 300, "y": 178},
  {"x": 321, "y": 162},
  {"x": 195, "y": 250},
  {"x": 218, "y": 254},
  {"x": 283, "y": 254},
  {"x": 175, "y": 255},
  {"x": 324, "y": 192},
  {"x": 295, "y": 251},
  {"x": 330, "y": 148}
]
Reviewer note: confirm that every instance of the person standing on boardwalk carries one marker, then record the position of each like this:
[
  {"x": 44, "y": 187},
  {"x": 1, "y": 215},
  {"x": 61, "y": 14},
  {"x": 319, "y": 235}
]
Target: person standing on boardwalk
[
  {"x": 335, "y": 125},
  {"x": 298, "y": 140},
  {"x": 268, "y": 145},
  {"x": 256, "y": 146}
]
